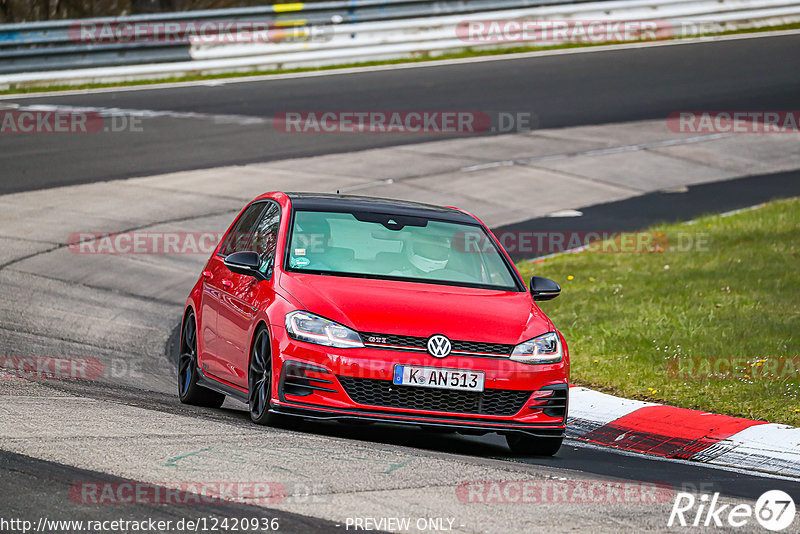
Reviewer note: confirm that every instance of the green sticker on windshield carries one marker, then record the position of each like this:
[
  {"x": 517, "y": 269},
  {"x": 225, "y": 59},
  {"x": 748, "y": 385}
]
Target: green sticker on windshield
[{"x": 300, "y": 262}]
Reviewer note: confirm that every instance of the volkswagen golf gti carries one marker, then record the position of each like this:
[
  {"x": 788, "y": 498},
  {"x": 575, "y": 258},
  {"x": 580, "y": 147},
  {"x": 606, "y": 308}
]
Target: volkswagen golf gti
[{"x": 334, "y": 307}]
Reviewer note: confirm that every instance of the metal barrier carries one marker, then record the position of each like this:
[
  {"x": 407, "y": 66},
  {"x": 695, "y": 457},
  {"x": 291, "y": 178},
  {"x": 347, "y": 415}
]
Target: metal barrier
[
  {"x": 52, "y": 45},
  {"x": 331, "y": 33}
]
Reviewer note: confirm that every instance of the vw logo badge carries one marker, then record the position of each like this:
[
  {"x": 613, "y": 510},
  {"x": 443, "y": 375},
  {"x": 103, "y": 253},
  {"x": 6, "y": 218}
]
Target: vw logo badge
[{"x": 438, "y": 346}]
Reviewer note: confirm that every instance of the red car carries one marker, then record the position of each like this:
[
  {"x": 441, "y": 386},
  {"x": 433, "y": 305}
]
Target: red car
[{"x": 349, "y": 308}]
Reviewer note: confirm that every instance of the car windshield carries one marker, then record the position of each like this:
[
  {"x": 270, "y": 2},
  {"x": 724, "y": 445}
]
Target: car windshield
[{"x": 397, "y": 247}]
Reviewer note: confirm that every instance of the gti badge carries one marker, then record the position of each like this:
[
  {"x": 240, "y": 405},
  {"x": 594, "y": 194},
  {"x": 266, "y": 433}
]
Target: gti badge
[{"x": 438, "y": 346}]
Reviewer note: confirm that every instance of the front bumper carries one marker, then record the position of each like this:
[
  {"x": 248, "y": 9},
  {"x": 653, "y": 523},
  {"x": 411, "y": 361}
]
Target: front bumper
[{"x": 356, "y": 384}]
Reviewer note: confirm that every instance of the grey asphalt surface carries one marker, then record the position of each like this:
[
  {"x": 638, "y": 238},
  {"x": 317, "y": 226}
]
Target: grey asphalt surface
[
  {"x": 559, "y": 91},
  {"x": 33, "y": 489},
  {"x": 647, "y": 210},
  {"x": 129, "y": 424},
  {"x": 573, "y": 457}
]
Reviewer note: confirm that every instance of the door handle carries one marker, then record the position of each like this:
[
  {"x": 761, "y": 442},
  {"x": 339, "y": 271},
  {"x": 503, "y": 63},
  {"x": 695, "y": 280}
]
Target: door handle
[
  {"x": 227, "y": 283},
  {"x": 208, "y": 275}
]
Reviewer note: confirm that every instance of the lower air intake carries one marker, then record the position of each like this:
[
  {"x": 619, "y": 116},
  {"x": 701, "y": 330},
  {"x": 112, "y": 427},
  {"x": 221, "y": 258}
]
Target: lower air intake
[{"x": 383, "y": 393}]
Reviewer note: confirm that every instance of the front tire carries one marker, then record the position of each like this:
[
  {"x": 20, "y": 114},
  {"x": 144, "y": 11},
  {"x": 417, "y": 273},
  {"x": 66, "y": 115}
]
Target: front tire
[
  {"x": 260, "y": 379},
  {"x": 188, "y": 390},
  {"x": 523, "y": 445}
]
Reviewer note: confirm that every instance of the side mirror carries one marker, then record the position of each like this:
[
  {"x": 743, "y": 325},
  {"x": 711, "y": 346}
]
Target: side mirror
[
  {"x": 544, "y": 288},
  {"x": 246, "y": 263}
]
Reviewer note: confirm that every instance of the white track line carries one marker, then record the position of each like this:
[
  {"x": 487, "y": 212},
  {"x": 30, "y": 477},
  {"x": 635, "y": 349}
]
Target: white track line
[{"x": 242, "y": 120}]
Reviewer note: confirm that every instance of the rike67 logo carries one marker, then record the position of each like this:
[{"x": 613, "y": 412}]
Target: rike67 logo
[{"x": 774, "y": 510}]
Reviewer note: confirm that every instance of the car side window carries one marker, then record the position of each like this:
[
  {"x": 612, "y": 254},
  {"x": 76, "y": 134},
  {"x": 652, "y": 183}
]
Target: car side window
[
  {"x": 266, "y": 237},
  {"x": 240, "y": 238}
]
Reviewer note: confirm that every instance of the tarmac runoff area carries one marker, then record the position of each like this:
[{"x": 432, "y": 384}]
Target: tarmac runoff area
[{"x": 119, "y": 311}]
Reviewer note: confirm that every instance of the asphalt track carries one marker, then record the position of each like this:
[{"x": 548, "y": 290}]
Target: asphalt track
[
  {"x": 564, "y": 90},
  {"x": 34, "y": 486},
  {"x": 666, "y": 207},
  {"x": 762, "y": 74},
  {"x": 31, "y": 487},
  {"x": 574, "y": 456}
]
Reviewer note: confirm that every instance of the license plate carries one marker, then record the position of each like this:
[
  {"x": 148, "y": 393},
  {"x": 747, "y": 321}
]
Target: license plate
[{"x": 435, "y": 377}]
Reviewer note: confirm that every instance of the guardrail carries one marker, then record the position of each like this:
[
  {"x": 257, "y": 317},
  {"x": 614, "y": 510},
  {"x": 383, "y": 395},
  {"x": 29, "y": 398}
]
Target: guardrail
[
  {"x": 52, "y": 45},
  {"x": 298, "y": 35}
]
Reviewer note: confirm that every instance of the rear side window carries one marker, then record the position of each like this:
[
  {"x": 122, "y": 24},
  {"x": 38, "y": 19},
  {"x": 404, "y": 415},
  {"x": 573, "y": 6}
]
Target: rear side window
[{"x": 240, "y": 238}]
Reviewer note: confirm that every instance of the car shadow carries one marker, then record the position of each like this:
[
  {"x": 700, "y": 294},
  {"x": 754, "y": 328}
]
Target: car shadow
[{"x": 490, "y": 445}]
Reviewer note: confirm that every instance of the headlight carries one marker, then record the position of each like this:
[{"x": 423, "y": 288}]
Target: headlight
[
  {"x": 312, "y": 328},
  {"x": 543, "y": 349}
]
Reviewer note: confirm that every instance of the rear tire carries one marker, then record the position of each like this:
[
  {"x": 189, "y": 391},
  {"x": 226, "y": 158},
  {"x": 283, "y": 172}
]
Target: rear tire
[
  {"x": 523, "y": 445},
  {"x": 188, "y": 390}
]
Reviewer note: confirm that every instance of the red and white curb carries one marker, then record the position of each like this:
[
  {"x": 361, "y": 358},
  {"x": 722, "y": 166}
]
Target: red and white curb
[{"x": 679, "y": 433}]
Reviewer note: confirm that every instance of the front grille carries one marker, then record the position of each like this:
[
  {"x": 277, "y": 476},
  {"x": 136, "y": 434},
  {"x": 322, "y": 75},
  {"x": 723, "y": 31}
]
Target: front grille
[
  {"x": 383, "y": 393},
  {"x": 477, "y": 346},
  {"x": 421, "y": 343},
  {"x": 392, "y": 339}
]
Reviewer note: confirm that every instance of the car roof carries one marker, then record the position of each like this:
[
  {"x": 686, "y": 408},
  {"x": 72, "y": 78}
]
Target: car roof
[{"x": 354, "y": 203}]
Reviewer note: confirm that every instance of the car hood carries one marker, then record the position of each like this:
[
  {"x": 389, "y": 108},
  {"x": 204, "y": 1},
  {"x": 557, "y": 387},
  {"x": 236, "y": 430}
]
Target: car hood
[{"x": 418, "y": 309}]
